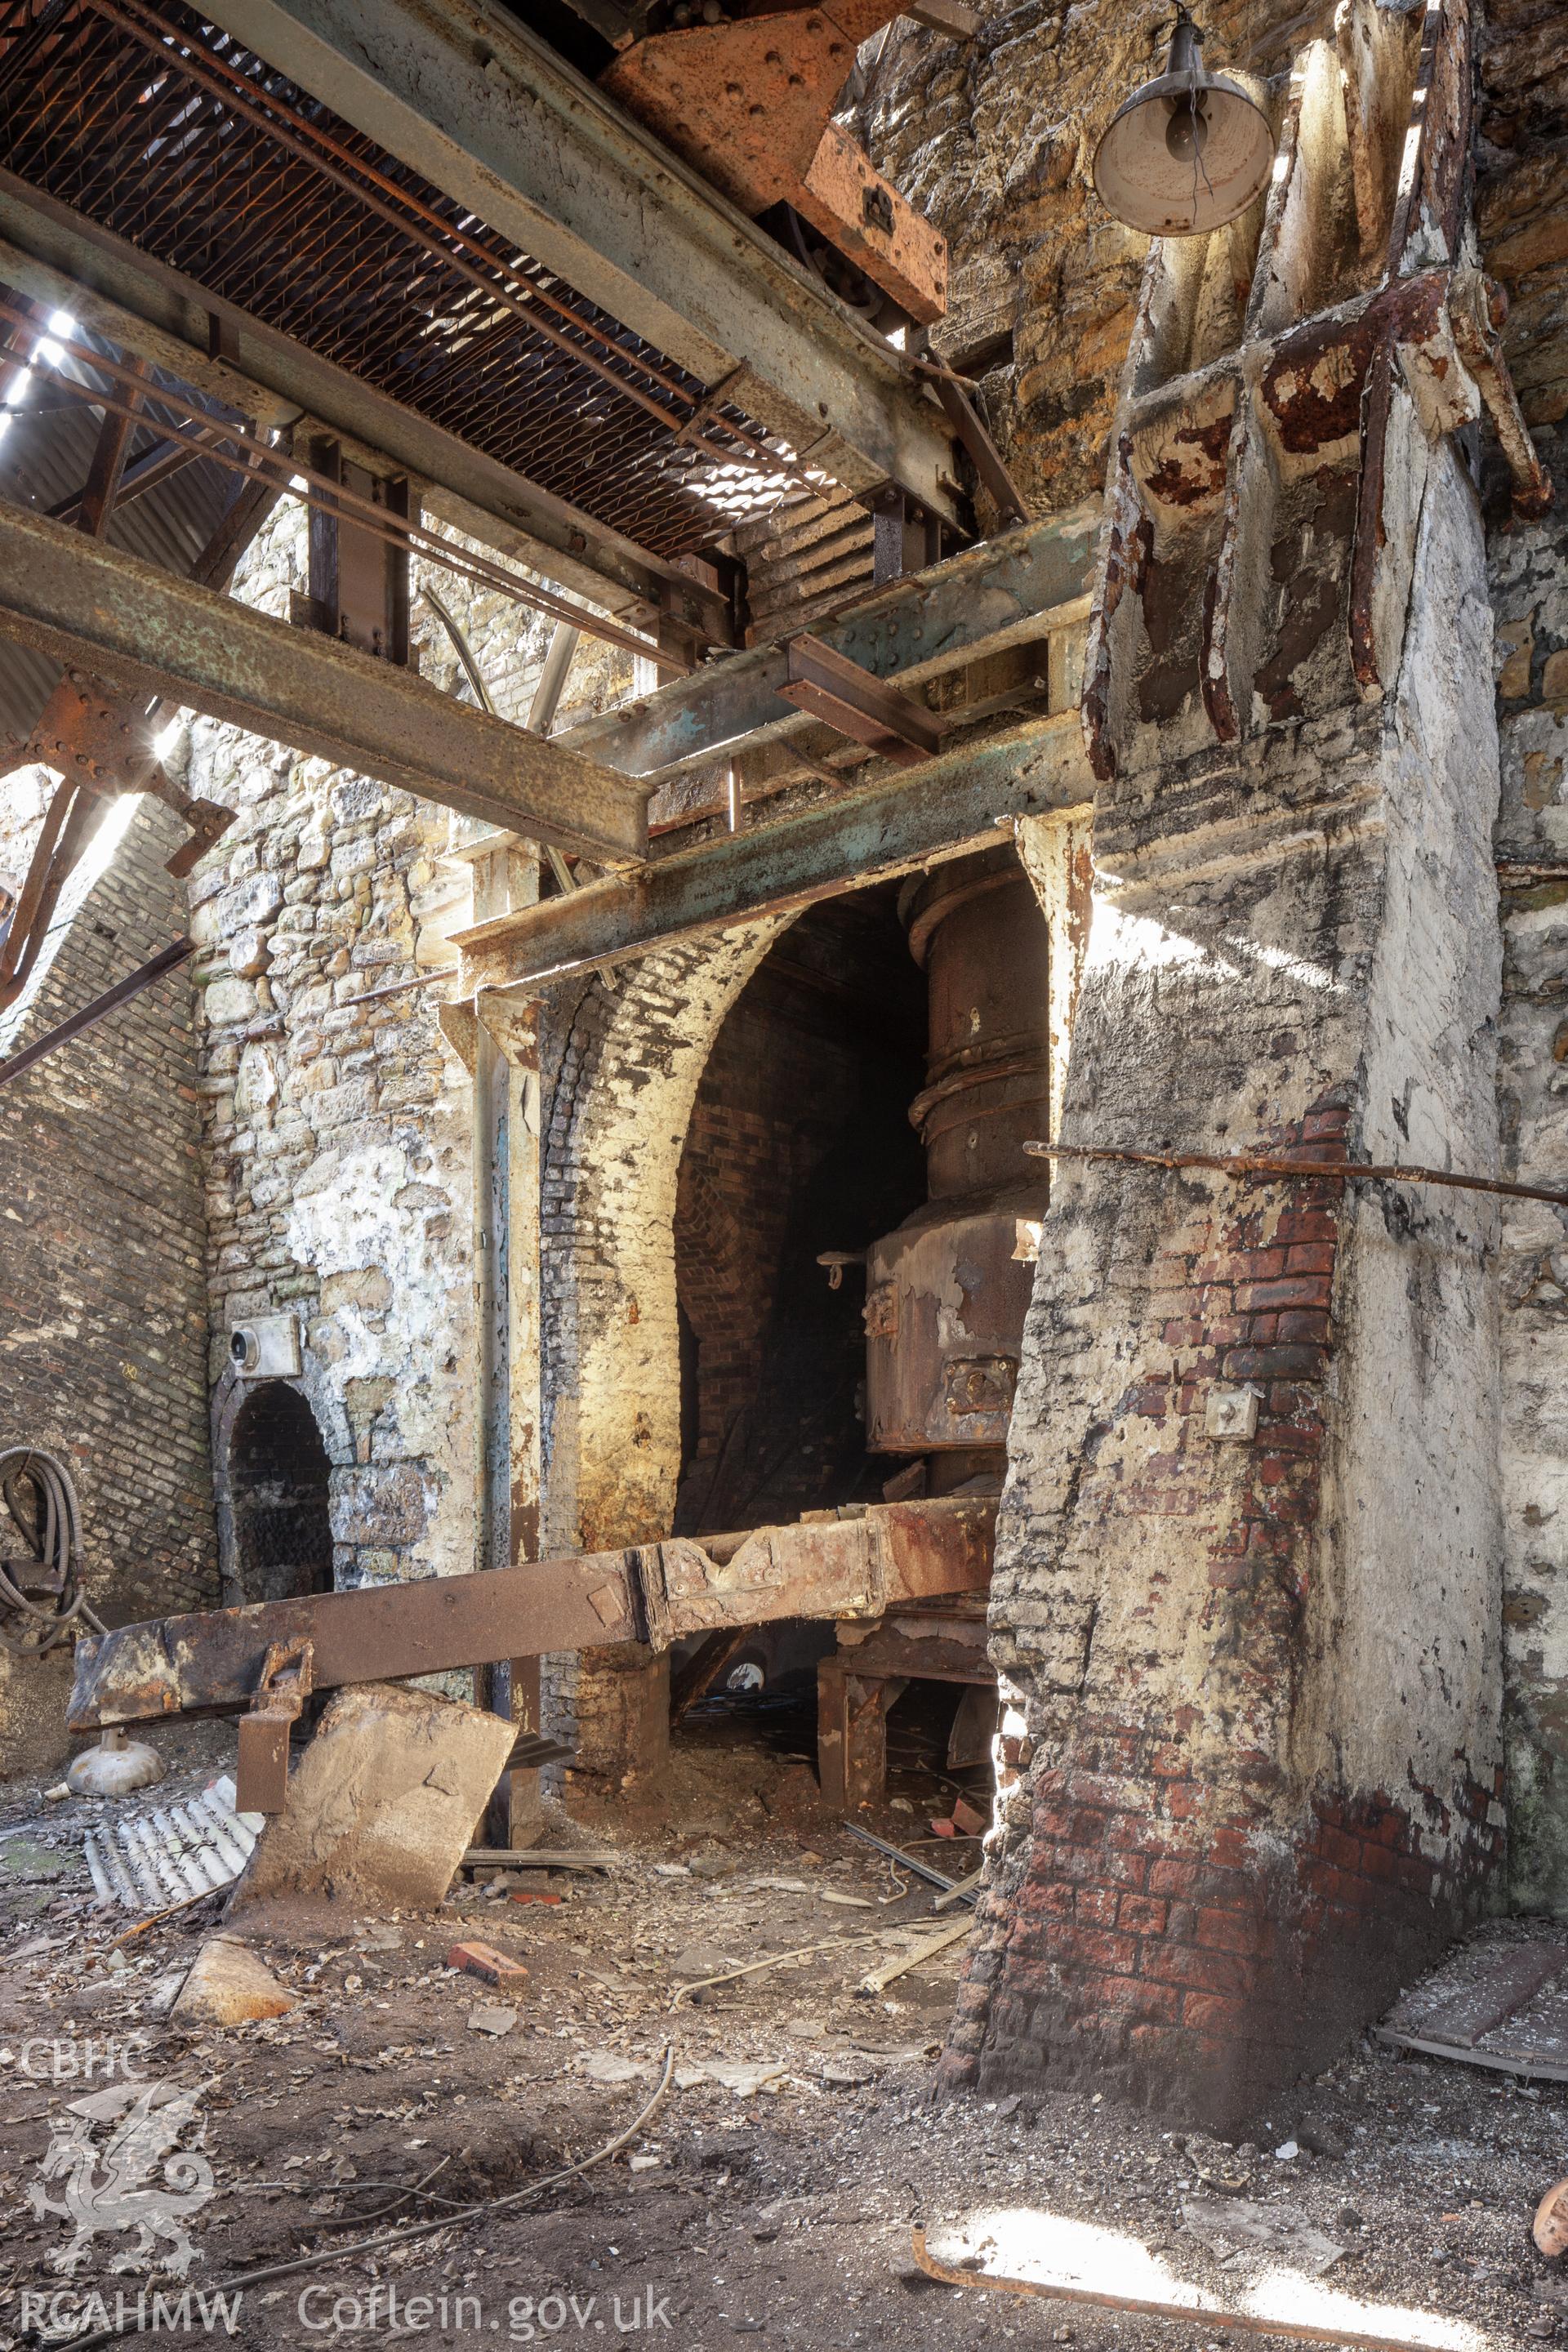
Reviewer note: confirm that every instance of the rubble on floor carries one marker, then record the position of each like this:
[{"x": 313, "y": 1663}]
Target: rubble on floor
[{"x": 776, "y": 2190}]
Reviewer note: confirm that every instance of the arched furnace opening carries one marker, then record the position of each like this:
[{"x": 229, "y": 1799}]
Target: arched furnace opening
[{"x": 279, "y": 1478}]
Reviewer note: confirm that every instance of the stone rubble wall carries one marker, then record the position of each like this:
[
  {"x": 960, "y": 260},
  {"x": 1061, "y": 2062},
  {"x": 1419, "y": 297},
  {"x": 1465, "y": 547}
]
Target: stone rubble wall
[
  {"x": 1530, "y": 589},
  {"x": 994, "y": 139},
  {"x": 338, "y": 1124}
]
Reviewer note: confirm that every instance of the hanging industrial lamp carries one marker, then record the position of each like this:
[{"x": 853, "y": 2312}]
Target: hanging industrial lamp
[{"x": 1187, "y": 152}]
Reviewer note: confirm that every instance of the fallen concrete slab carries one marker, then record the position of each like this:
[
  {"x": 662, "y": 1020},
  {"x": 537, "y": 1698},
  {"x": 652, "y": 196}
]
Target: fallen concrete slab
[{"x": 382, "y": 1806}]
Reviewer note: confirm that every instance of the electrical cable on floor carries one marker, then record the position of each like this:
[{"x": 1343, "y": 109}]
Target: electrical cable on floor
[
  {"x": 409, "y": 2231},
  {"x": 49, "y": 1524}
]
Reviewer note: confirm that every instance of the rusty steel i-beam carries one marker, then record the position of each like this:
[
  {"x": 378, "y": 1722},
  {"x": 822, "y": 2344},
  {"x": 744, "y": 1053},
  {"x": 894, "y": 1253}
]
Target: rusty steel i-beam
[{"x": 215, "y": 1661}]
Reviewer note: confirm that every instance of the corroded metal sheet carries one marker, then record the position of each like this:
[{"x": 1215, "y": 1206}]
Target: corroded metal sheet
[
  {"x": 1499, "y": 2001},
  {"x": 210, "y": 1661}
]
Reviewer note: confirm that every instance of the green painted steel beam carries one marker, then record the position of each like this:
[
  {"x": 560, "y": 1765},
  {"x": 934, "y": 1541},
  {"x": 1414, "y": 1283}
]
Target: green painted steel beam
[
  {"x": 998, "y": 594},
  {"x": 963, "y": 800}
]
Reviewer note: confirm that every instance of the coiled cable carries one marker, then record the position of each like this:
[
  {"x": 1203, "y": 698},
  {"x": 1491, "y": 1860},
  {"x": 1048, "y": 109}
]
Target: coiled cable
[{"x": 42, "y": 1598}]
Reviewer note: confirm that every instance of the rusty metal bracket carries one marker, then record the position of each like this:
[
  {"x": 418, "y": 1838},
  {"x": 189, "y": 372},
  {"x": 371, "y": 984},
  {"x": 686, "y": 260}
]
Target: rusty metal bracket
[
  {"x": 281, "y": 1690},
  {"x": 1279, "y": 410},
  {"x": 1478, "y": 325},
  {"x": 749, "y": 104},
  {"x": 831, "y": 687},
  {"x": 90, "y": 1014},
  {"x": 965, "y": 419}
]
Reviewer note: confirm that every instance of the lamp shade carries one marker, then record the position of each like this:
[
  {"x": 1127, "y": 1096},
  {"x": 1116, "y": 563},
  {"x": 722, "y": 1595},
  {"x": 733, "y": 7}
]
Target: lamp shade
[{"x": 1187, "y": 152}]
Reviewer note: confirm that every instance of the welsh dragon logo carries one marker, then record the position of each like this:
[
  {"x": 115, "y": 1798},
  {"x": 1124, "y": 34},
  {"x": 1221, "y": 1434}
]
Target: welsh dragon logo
[{"x": 106, "y": 2183}]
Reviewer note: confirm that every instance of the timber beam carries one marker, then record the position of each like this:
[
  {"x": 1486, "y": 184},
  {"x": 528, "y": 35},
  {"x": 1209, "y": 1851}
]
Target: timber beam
[
  {"x": 214, "y": 1661},
  {"x": 59, "y": 257},
  {"x": 488, "y": 112},
  {"x": 1021, "y": 585},
  {"x": 957, "y": 802},
  {"x": 92, "y": 606}
]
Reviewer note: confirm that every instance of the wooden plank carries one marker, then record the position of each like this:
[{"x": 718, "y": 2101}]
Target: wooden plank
[
  {"x": 84, "y": 603},
  {"x": 965, "y": 799},
  {"x": 1477, "y": 1989}
]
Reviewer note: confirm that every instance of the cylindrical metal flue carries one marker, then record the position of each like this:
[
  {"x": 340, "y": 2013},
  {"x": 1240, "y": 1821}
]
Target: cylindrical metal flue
[{"x": 947, "y": 1293}]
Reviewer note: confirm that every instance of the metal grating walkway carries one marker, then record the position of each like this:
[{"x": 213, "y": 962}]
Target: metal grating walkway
[{"x": 170, "y": 134}]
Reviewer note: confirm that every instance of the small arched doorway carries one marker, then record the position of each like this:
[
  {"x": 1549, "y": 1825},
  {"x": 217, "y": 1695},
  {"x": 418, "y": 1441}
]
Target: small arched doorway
[{"x": 278, "y": 1481}]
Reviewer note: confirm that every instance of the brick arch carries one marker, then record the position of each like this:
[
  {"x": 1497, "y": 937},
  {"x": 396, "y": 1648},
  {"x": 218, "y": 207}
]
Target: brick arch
[
  {"x": 621, "y": 1106},
  {"x": 629, "y": 1064},
  {"x": 229, "y": 1397}
]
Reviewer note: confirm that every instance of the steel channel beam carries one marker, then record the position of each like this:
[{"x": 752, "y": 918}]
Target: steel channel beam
[
  {"x": 83, "y": 603},
  {"x": 1017, "y": 585},
  {"x": 212, "y": 1661},
  {"x": 489, "y": 112},
  {"x": 955, "y": 804},
  {"x": 130, "y": 300}
]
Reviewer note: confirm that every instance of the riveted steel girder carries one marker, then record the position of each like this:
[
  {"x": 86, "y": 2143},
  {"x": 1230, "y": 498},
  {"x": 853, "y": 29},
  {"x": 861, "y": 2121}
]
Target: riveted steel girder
[
  {"x": 83, "y": 603},
  {"x": 1003, "y": 592},
  {"x": 963, "y": 800}
]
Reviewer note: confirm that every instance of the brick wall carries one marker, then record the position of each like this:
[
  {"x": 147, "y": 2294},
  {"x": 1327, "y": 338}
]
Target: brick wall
[
  {"x": 102, "y": 1311},
  {"x": 620, "y": 1071},
  {"x": 1254, "y": 1687},
  {"x": 799, "y": 1141}
]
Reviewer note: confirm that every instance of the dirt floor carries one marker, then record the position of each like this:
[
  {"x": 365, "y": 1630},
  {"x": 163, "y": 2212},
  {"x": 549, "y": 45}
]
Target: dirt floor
[{"x": 774, "y": 2190}]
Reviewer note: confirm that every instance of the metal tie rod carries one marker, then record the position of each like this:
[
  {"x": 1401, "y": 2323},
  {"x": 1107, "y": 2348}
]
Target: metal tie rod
[
  {"x": 1242, "y": 1164},
  {"x": 121, "y": 994}
]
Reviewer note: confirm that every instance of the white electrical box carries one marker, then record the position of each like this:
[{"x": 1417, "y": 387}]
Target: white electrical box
[{"x": 267, "y": 1349}]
